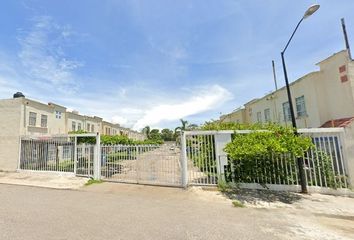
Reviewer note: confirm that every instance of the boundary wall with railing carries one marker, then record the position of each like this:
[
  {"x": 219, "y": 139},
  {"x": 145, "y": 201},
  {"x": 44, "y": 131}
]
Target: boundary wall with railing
[{"x": 326, "y": 165}]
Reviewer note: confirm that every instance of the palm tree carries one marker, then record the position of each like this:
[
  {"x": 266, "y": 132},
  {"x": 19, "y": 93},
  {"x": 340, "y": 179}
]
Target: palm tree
[{"x": 183, "y": 127}]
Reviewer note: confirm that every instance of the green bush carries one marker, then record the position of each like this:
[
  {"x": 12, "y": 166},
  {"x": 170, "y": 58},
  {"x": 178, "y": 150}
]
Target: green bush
[
  {"x": 114, "y": 140},
  {"x": 266, "y": 156},
  {"x": 123, "y": 155}
]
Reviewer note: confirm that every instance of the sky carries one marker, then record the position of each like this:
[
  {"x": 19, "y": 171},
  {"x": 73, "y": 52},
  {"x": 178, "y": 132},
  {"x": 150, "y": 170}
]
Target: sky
[{"x": 139, "y": 62}]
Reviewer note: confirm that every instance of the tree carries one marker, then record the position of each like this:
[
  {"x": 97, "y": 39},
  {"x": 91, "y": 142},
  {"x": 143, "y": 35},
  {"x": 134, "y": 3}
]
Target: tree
[
  {"x": 146, "y": 130},
  {"x": 155, "y": 135},
  {"x": 182, "y": 127},
  {"x": 167, "y": 135},
  {"x": 185, "y": 127}
]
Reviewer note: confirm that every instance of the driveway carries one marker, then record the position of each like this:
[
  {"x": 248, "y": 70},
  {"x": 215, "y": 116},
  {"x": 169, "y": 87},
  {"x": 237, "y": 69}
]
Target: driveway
[{"x": 122, "y": 211}]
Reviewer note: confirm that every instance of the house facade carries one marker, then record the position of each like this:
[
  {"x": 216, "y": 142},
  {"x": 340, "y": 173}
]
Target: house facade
[
  {"x": 22, "y": 116},
  {"x": 318, "y": 97}
]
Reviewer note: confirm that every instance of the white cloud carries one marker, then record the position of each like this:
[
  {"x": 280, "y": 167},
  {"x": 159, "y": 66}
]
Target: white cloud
[
  {"x": 42, "y": 54},
  {"x": 120, "y": 120},
  {"x": 203, "y": 100}
]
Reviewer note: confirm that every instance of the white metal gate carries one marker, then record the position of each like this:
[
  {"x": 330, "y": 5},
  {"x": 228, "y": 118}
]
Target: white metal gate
[
  {"x": 142, "y": 164},
  {"x": 70, "y": 153}
]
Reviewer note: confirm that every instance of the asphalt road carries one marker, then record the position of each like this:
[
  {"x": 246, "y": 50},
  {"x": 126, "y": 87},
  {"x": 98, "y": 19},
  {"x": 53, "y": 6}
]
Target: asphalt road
[{"x": 121, "y": 211}]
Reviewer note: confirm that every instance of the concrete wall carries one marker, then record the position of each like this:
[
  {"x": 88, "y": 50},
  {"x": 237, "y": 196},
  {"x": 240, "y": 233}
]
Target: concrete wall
[
  {"x": 237, "y": 116},
  {"x": 335, "y": 97},
  {"x": 303, "y": 87},
  {"x": 56, "y": 123},
  {"x": 10, "y": 112},
  {"x": 348, "y": 150},
  {"x": 96, "y": 123},
  {"x": 74, "y": 118}
]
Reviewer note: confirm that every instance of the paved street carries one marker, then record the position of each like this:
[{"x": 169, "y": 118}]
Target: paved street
[
  {"x": 117, "y": 211},
  {"x": 122, "y": 211}
]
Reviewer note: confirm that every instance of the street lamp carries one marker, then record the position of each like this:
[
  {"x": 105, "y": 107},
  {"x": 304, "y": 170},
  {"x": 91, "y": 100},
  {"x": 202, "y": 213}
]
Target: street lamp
[{"x": 311, "y": 10}]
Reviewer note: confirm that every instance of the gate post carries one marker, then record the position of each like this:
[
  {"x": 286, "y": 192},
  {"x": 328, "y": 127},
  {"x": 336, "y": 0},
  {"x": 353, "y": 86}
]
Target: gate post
[
  {"x": 97, "y": 159},
  {"x": 75, "y": 155},
  {"x": 19, "y": 153},
  {"x": 221, "y": 139},
  {"x": 184, "y": 167}
]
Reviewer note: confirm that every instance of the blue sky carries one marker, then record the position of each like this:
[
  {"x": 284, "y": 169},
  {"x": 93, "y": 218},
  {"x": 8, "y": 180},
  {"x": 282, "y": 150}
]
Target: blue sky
[{"x": 153, "y": 62}]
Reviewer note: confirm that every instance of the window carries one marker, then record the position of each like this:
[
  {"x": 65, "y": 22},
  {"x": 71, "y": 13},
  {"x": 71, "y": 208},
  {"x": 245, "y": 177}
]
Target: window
[
  {"x": 66, "y": 152},
  {"x": 73, "y": 126},
  {"x": 32, "y": 119},
  {"x": 44, "y": 120},
  {"x": 286, "y": 112},
  {"x": 92, "y": 128},
  {"x": 78, "y": 126},
  {"x": 57, "y": 115},
  {"x": 88, "y": 127},
  {"x": 267, "y": 115},
  {"x": 259, "y": 117},
  {"x": 300, "y": 106}
]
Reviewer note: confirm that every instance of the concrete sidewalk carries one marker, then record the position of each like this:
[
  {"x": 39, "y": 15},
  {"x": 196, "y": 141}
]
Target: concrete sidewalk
[{"x": 47, "y": 180}]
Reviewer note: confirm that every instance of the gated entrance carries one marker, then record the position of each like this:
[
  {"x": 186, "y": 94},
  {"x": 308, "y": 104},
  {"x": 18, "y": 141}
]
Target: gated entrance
[
  {"x": 199, "y": 160},
  {"x": 142, "y": 164},
  {"x": 82, "y": 155}
]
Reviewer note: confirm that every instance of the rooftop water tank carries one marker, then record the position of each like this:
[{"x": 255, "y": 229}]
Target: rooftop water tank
[{"x": 18, "y": 95}]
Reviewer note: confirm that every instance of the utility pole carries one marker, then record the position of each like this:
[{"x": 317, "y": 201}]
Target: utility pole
[{"x": 347, "y": 46}]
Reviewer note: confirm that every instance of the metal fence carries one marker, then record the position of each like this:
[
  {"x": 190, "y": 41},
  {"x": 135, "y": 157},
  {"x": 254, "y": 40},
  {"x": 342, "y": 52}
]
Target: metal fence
[
  {"x": 324, "y": 164},
  {"x": 144, "y": 164},
  {"x": 202, "y": 161},
  {"x": 58, "y": 153},
  {"x": 47, "y": 154},
  {"x": 85, "y": 160}
]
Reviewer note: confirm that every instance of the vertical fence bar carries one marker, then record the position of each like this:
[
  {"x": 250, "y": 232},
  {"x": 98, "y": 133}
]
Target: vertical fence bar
[
  {"x": 343, "y": 166},
  {"x": 97, "y": 159},
  {"x": 184, "y": 160},
  {"x": 19, "y": 152},
  {"x": 75, "y": 155}
]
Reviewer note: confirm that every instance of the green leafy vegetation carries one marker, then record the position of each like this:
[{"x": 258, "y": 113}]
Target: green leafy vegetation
[
  {"x": 93, "y": 181},
  {"x": 114, "y": 140},
  {"x": 238, "y": 204},
  {"x": 268, "y": 156},
  {"x": 223, "y": 186}
]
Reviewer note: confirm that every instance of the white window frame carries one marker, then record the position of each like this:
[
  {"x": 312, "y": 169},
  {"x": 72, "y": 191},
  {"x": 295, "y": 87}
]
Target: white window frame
[
  {"x": 79, "y": 126},
  {"x": 301, "y": 106},
  {"x": 259, "y": 117},
  {"x": 44, "y": 120},
  {"x": 267, "y": 117},
  {"x": 286, "y": 112},
  {"x": 32, "y": 119},
  {"x": 57, "y": 114},
  {"x": 73, "y": 126}
]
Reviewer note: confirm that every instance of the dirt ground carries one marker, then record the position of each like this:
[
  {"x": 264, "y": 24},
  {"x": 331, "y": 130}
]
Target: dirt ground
[{"x": 125, "y": 211}]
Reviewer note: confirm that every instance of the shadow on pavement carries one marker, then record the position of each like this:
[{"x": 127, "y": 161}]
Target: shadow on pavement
[{"x": 253, "y": 196}]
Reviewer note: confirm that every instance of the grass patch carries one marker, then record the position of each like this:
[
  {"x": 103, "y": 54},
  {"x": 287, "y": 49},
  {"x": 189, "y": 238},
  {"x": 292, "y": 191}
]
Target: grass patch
[
  {"x": 238, "y": 204},
  {"x": 222, "y": 186},
  {"x": 93, "y": 181}
]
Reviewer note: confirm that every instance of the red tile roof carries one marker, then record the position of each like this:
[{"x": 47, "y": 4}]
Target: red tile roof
[{"x": 342, "y": 122}]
